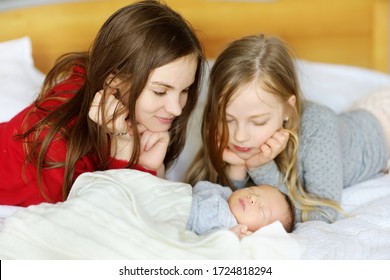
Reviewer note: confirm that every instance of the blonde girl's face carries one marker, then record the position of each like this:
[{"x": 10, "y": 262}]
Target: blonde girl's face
[
  {"x": 253, "y": 116},
  {"x": 258, "y": 206},
  {"x": 165, "y": 93}
]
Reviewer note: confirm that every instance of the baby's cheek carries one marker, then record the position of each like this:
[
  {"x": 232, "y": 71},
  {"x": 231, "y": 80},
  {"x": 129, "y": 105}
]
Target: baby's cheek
[{"x": 235, "y": 211}]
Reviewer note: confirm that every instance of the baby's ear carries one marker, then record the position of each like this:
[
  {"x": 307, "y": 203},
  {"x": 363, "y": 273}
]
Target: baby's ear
[{"x": 112, "y": 81}]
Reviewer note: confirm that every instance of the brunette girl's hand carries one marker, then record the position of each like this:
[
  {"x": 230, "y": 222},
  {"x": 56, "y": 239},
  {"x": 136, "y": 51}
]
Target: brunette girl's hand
[
  {"x": 270, "y": 149},
  {"x": 112, "y": 106},
  {"x": 122, "y": 140},
  {"x": 236, "y": 169},
  {"x": 154, "y": 147}
]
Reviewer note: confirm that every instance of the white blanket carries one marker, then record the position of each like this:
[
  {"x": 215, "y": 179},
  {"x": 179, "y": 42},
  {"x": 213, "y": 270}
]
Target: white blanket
[
  {"x": 365, "y": 234},
  {"x": 127, "y": 214}
]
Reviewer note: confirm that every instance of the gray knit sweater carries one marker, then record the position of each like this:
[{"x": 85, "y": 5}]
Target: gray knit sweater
[{"x": 336, "y": 151}]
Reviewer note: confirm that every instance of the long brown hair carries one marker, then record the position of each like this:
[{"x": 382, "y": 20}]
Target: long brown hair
[
  {"x": 132, "y": 42},
  {"x": 253, "y": 58}
]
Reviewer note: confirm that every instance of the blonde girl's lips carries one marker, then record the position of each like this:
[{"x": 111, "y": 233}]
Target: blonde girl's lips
[{"x": 241, "y": 149}]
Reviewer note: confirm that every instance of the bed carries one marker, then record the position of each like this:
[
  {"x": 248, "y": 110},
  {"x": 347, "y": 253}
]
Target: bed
[{"x": 340, "y": 59}]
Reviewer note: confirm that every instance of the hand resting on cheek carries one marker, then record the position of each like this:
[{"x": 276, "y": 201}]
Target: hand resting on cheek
[
  {"x": 153, "y": 144},
  {"x": 268, "y": 151}
]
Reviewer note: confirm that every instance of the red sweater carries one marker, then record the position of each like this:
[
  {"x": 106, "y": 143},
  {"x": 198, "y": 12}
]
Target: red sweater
[{"x": 18, "y": 185}]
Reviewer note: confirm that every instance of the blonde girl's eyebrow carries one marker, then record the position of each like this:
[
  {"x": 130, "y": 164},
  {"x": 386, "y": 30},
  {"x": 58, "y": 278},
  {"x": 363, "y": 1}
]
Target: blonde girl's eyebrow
[
  {"x": 229, "y": 115},
  {"x": 259, "y": 116},
  {"x": 251, "y": 117}
]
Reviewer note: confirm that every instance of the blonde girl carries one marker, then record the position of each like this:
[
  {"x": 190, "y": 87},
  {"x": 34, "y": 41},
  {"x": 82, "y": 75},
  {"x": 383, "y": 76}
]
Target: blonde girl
[
  {"x": 123, "y": 104},
  {"x": 257, "y": 129}
]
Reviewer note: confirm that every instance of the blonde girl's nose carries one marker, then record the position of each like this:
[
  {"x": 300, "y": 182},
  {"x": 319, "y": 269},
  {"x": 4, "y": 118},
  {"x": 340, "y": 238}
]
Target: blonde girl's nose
[{"x": 241, "y": 134}]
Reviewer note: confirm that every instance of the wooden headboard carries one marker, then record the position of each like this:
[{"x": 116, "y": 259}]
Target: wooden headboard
[{"x": 352, "y": 32}]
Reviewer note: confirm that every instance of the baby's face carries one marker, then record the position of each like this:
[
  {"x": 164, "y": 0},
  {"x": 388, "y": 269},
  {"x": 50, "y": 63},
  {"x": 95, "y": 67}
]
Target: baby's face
[{"x": 258, "y": 206}]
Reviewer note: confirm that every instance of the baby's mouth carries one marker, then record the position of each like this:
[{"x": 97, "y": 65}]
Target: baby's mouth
[{"x": 242, "y": 203}]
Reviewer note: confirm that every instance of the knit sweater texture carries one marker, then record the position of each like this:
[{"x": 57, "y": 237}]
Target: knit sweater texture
[{"x": 210, "y": 209}]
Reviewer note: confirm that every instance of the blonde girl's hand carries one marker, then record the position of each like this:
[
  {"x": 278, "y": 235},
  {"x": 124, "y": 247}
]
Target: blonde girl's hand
[
  {"x": 236, "y": 169},
  {"x": 269, "y": 150},
  {"x": 154, "y": 147}
]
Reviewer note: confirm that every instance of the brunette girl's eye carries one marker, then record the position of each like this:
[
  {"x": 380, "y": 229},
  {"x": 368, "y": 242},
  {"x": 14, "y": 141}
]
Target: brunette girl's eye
[
  {"x": 185, "y": 91},
  {"x": 159, "y": 93}
]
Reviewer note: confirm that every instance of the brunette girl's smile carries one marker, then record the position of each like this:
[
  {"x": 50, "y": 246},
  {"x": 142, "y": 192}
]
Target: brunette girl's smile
[{"x": 165, "y": 120}]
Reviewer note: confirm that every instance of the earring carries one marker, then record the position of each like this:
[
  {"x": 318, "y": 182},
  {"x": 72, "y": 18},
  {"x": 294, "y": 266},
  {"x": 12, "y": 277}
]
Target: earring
[{"x": 285, "y": 121}]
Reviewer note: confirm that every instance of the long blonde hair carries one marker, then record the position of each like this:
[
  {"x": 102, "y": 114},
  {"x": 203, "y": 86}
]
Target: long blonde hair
[{"x": 268, "y": 60}]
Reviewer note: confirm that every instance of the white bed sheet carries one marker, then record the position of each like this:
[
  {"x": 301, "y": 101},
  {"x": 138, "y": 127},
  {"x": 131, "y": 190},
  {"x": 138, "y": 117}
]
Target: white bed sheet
[
  {"x": 129, "y": 214},
  {"x": 362, "y": 236},
  {"x": 365, "y": 234}
]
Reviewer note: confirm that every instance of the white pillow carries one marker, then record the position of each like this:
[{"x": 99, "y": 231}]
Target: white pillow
[
  {"x": 20, "y": 81},
  {"x": 338, "y": 86}
]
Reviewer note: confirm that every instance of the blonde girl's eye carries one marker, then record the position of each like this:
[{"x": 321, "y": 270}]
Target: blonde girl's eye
[
  {"x": 229, "y": 120},
  {"x": 260, "y": 123}
]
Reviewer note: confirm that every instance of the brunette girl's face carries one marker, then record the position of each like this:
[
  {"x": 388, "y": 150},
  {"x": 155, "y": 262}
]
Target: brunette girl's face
[
  {"x": 253, "y": 116},
  {"x": 165, "y": 93}
]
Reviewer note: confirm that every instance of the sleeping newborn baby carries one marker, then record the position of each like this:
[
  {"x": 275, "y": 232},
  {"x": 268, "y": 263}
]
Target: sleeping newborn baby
[{"x": 243, "y": 211}]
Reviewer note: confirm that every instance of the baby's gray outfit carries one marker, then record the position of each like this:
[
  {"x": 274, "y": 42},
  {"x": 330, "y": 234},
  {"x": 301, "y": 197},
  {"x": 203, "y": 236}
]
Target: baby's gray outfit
[{"x": 210, "y": 210}]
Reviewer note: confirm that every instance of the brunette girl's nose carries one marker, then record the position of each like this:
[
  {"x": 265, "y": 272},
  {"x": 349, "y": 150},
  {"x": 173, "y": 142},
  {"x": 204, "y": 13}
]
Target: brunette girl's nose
[{"x": 173, "y": 107}]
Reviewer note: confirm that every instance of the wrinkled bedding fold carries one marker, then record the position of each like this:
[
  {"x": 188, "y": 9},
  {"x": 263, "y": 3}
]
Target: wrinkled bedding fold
[{"x": 128, "y": 214}]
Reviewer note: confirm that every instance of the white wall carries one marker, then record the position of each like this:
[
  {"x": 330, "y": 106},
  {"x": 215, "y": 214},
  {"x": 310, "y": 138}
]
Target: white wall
[{"x": 10, "y": 4}]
